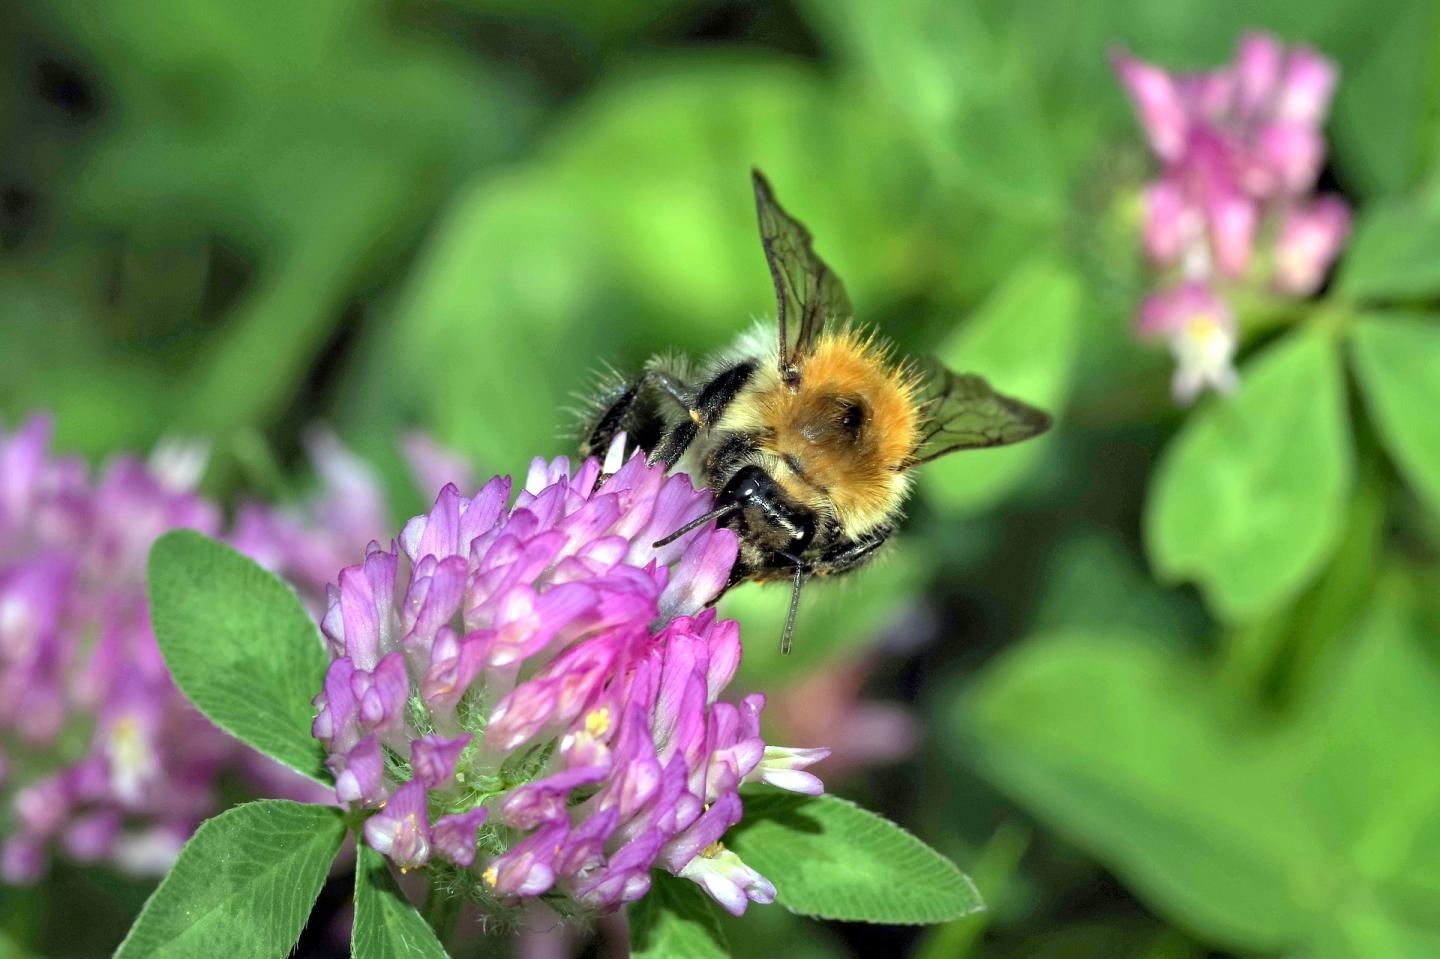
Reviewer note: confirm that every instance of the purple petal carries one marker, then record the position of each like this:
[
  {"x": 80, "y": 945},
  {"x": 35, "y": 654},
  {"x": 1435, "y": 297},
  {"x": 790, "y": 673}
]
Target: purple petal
[
  {"x": 584, "y": 847},
  {"x": 366, "y": 607},
  {"x": 1293, "y": 154},
  {"x": 453, "y": 836},
  {"x": 1257, "y": 67},
  {"x": 434, "y": 466},
  {"x": 433, "y": 758},
  {"x": 1306, "y": 88},
  {"x": 1310, "y": 239},
  {"x": 454, "y": 664},
  {"x": 723, "y": 639},
  {"x": 383, "y": 695},
  {"x": 360, "y": 774},
  {"x": 625, "y": 878},
  {"x": 527, "y": 869},
  {"x": 704, "y": 832},
  {"x": 1158, "y": 103},
  {"x": 701, "y": 574},
  {"x": 1232, "y": 230},
  {"x": 1171, "y": 223},
  {"x": 22, "y": 860},
  {"x": 546, "y": 800},
  {"x": 401, "y": 829}
]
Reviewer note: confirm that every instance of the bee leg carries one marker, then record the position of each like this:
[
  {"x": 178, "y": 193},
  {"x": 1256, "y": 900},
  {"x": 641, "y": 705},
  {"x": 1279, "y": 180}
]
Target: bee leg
[
  {"x": 674, "y": 443},
  {"x": 849, "y": 554},
  {"x": 631, "y": 408},
  {"x": 705, "y": 408}
]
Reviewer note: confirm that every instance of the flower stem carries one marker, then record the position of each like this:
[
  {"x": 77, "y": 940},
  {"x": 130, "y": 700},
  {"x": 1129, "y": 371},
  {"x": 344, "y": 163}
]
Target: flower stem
[{"x": 442, "y": 909}]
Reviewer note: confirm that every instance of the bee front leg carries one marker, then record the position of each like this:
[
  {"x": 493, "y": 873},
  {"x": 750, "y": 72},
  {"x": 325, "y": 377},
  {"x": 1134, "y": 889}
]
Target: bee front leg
[
  {"x": 674, "y": 443},
  {"x": 631, "y": 407}
]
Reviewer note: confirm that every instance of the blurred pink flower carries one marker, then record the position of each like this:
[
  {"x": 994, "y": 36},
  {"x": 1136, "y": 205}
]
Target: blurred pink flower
[
  {"x": 1310, "y": 238},
  {"x": 1240, "y": 147},
  {"x": 79, "y": 663},
  {"x": 1200, "y": 328},
  {"x": 76, "y": 652},
  {"x": 827, "y": 704}
]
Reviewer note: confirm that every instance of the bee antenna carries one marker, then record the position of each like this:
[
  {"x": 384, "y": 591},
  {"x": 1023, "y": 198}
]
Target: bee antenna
[
  {"x": 788, "y": 635},
  {"x": 716, "y": 513}
]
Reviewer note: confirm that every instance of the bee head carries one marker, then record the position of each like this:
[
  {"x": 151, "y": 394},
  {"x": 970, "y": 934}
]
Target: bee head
[{"x": 761, "y": 509}]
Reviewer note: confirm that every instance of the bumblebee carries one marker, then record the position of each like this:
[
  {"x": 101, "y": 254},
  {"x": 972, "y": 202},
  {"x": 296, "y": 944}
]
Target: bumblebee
[{"x": 810, "y": 431}]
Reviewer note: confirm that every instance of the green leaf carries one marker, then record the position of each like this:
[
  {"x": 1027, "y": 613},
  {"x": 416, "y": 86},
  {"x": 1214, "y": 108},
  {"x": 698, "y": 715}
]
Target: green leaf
[
  {"x": 240, "y": 645},
  {"x": 1395, "y": 253},
  {"x": 829, "y": 858},
  {"x": 1023, "y": 341},
  {"x": 1397, "y": 360},
  {"x": 979, "y": 116},
  {"x": 1385, "y": 100},
  {"x": 243, "y": 885},
  {"x": 386, "y": 925},
  {"x": 1092, "y": 579},
  {"x": 1110, "y": 737},
  {"x": 521, "y": 291},
  {"x": 1261, "y": 835},
  {"x": 1249, "y": 499},
  {"x": 675, "y": 920}
]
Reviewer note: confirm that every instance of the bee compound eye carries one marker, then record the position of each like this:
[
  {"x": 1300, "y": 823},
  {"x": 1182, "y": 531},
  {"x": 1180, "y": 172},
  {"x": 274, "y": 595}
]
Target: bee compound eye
[{"x": 746, "y": 485}]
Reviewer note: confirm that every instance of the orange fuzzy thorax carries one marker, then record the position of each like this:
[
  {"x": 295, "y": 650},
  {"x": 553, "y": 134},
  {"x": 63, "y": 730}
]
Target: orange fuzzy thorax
[{"x": 860, "y": 478}]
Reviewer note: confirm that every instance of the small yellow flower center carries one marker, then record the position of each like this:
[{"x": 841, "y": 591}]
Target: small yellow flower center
[
  {"x": 713, "y": 850},
  {"x": 598, "y": 721},
  {"x": 126, "y": 727},
  {"x": 491, "y": 875},
  {"x": 1203, "y": 328},
  {"x": 127, "y": 745}
]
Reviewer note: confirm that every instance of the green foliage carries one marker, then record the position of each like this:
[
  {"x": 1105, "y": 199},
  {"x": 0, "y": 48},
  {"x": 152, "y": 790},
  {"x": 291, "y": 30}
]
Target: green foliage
[
  {"x": 537, "y": 280},
  {"x": 1024, "y": 341},
  {"x": 1311, "y": 832},
  {"x": 1092, "y": 581},
  {"x": 239, "y": 645},
  {"x": 243, "y": 884},
  {"x": 1387, "y": 101},
  {"x": 1249, "y": 498},
  {"x": 314, "y": 141},
  {"x": 675, "y": 919},
  {"x": 1397, "y": 360},
  {"x": 1392, "y": 256},
  {"x": 276, "y": 214},
  {"x": 386, "y": 925},
  {"x": 829, "y": 858}
]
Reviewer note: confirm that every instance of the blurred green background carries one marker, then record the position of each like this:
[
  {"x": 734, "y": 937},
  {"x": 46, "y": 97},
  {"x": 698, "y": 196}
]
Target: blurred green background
[{"x": 237, "y": 220}]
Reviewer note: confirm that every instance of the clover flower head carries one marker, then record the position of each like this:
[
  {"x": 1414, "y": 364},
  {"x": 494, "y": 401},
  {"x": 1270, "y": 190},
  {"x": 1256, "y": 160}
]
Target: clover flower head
[
  {"x": 529, "y": 692},
  {"x": 79, "y": 662},
  {"x": 76, "y": 649},
  {"x": 1240, "y": 149}
]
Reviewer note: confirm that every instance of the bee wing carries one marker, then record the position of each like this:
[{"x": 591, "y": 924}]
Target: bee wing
[
  {"x": 960, "y": 411},
  {"x": 806, "y": 291}
]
